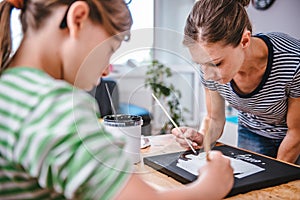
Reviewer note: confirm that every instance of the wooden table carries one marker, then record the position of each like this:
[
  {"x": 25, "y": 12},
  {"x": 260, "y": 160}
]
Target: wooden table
[{"x": 162, "y": 144}]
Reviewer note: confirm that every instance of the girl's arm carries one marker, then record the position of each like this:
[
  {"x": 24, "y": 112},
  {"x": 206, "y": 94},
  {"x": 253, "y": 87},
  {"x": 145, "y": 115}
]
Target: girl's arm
[{"x": 209, "y": 185}]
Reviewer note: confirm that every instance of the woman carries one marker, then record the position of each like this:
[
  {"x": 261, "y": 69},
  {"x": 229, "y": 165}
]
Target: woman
[
  {"x": 257, "y": 74},
  {"x": 51, "y": 144}
]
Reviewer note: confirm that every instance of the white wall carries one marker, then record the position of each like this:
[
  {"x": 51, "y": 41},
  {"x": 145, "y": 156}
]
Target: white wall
[
  {"x": 282, "y": 16},
  {"x": 169, "y": 22}
]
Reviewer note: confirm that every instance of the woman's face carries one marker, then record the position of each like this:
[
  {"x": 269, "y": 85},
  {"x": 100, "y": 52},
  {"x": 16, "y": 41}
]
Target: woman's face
[{"x": 218, "y": 62}]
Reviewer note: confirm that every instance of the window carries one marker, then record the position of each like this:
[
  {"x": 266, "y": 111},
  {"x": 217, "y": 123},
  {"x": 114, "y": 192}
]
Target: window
[
  {"x": 143, "y": 21},
  {"x": 16, "y": 30},
  {"x": 141, "y": 42},
  {"x": 142, "y": 13}
]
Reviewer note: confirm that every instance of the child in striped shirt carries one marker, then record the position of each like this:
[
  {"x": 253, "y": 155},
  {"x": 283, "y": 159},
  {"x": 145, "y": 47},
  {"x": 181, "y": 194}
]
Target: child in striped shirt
[{"x": 51, "y": 143}]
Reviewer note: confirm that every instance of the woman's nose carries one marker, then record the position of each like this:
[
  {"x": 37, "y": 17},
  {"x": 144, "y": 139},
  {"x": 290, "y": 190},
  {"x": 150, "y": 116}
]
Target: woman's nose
[{"x": 211, "y": 73}]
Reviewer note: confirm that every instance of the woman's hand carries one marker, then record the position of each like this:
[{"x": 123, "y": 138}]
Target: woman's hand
[{"x": 191, "y": 134}]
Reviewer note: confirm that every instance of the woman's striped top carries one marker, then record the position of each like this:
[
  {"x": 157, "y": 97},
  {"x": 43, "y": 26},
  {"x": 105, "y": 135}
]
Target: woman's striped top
[
  {"x": 264, "y": 110},
  {"x": 51, "y": 143}
]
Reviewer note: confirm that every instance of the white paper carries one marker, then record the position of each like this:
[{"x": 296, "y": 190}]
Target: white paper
[{"x": 240, "y": 167}]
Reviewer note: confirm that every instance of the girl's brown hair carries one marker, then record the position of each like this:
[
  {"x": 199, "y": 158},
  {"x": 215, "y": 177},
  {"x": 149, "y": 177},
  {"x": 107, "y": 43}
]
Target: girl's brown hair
[
  {"x": 114, "y": 15},
  {"x": 213, "y": 21}
]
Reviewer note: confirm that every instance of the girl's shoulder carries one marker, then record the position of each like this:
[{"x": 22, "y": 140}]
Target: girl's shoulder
[{"x": 37, "y": 86}]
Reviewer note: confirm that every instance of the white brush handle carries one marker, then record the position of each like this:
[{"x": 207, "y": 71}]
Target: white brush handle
[{"x": 174, "y": 124}]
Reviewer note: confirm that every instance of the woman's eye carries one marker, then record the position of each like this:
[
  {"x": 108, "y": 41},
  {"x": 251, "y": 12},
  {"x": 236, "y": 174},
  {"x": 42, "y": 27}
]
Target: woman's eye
[
  {"x": 217, "y": 64},
  {"x": 211, "y": 65}
]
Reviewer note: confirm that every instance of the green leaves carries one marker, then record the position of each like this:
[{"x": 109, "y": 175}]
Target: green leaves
[{"x": 156, "y": 80}]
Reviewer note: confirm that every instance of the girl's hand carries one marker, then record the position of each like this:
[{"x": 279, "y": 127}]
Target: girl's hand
[{"x": 215, "y": 177}]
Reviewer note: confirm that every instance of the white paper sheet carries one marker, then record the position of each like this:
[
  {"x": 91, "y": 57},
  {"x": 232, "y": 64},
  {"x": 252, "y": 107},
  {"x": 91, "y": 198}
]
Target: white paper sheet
[{"x": 240, "y": 167}]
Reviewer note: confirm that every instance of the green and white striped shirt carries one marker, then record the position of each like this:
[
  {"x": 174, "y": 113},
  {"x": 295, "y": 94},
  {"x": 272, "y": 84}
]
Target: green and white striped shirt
[{"x": 51, "y": 143}]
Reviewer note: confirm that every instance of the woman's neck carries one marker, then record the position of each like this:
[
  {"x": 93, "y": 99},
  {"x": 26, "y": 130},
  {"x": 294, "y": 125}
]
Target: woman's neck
[
  {"x": 256, "y": 57},
  {"x": 254, "y": 67}
]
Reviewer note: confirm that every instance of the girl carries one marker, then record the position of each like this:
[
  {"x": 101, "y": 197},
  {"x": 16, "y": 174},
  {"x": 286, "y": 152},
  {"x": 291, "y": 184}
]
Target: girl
[{"x": 51, "y": 144}]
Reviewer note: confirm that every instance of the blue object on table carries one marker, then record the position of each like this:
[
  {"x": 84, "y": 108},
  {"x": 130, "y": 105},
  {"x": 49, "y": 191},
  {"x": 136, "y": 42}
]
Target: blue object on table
[
  {"x": 232, "y": 119},
  {"x": 127, "y": 108},
  {"x": 131, "y": 109}
]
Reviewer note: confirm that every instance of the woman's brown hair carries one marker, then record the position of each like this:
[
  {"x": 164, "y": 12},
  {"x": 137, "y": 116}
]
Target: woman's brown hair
[
  {"x": 212, "y": 21},
  {"x": 114, "y": 15}
]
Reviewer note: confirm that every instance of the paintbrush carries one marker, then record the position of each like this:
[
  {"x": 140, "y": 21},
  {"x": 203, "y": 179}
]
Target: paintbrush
[
  {"x": 110, "y": 100},
  {"x": 206, "y": 141},
  {"x": 206, "y": 144},
  {"x": 174, "y": 124}
]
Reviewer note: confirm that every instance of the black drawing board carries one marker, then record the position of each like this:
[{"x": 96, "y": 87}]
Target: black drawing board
[{"x": 275, "y": 172}]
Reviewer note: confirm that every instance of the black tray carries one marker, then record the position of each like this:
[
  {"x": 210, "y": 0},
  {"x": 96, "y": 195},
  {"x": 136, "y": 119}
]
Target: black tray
[{"x": 275, "y": 172}]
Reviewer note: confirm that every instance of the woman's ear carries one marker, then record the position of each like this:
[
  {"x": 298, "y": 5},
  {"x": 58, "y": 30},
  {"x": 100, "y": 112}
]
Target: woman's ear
[
  {"x": 78, "y": 14},
  {"x": 245, "y": 41}
]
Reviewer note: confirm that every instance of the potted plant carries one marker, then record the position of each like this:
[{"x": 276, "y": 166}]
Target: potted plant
[{"x": 156, "y": 76}]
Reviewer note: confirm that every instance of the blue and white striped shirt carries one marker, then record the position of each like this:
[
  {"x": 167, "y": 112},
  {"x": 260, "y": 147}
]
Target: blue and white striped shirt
[{"x": 264, "y": 110}]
